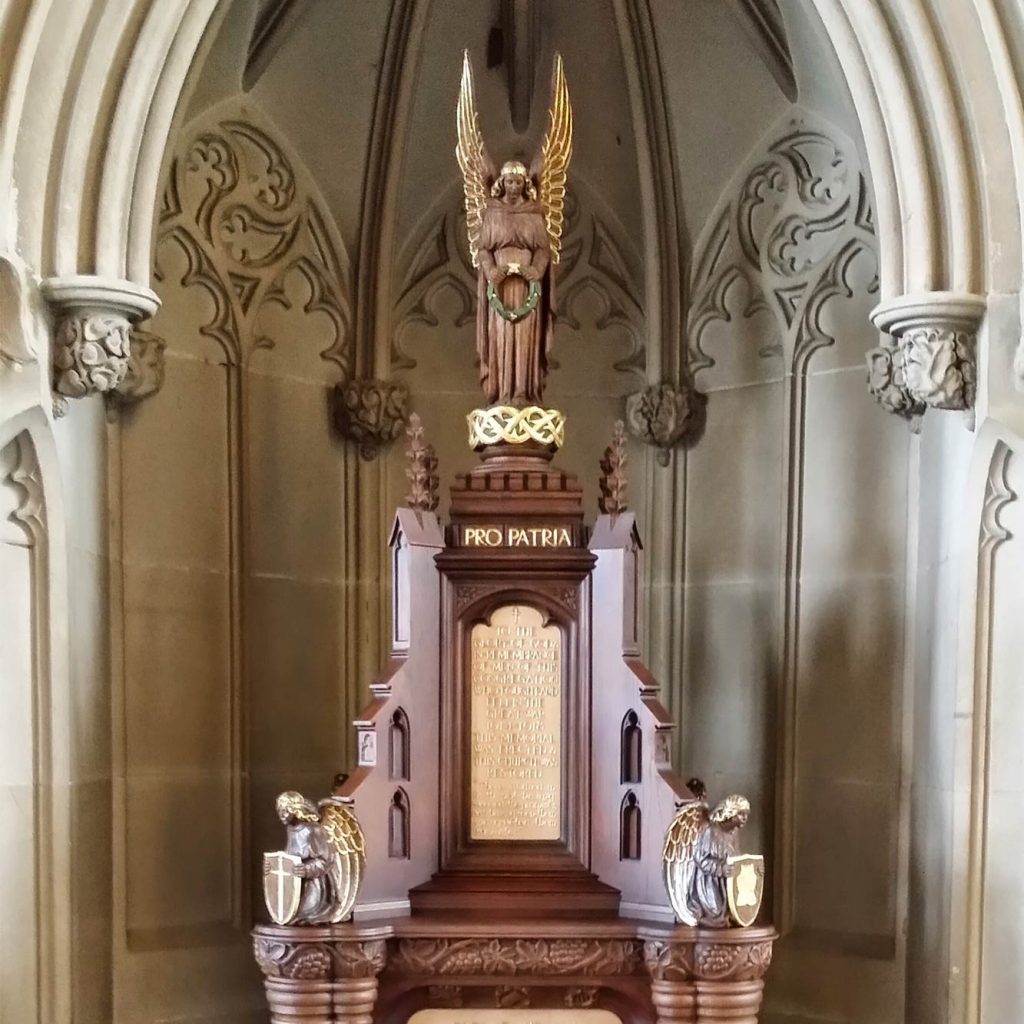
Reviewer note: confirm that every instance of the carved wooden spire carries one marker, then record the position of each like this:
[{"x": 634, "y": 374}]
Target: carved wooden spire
[
  {"x": 613, "y": 473},
  {"x": 422, "y": 469}
]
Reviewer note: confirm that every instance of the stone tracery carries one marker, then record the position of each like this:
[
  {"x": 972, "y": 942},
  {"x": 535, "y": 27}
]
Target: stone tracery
[
  {"x": 901, "y": 136},
  {"x": 790, "y": 232}
]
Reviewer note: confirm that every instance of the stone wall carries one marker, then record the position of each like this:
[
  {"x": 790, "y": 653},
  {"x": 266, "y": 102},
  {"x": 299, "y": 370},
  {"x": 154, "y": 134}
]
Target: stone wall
[{"x": 191, "y": 565}]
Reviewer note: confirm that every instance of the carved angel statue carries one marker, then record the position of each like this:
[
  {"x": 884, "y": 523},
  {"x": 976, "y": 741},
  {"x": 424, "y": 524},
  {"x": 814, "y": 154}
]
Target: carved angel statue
[
  {"x": 700, "y": 858},
  {"x": 514, "y": 222},
  {"x": 315, "y": 879}
]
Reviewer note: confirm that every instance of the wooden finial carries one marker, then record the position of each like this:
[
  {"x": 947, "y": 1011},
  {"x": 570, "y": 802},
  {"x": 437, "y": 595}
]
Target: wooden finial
[
  {"x": 613, "y": 473},
  {"x": 422, "y": 469}
]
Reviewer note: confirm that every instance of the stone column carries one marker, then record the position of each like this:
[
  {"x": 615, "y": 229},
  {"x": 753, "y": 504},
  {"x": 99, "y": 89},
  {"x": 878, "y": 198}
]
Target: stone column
[
  {"x": 929, "y": 360},
  {"x": 700, "y": 976},
  {"x": 92, "y": 334},
  {"x": 319, "y": 975}
]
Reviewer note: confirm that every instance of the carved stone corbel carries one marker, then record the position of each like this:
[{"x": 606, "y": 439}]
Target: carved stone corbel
[
  {"x": 887, "y": 382},
  {"x": 666, "y": 415},
  {"x": 371, "y": 413},
  {"x": 933, "y": 358},
  {"x": 145, "y": 374},
  {"x": 92, "y": 339}
]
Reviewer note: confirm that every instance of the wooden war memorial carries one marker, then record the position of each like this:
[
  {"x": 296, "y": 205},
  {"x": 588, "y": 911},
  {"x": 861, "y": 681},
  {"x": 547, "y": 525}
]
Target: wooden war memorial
[{"x": 500, "y": 851}]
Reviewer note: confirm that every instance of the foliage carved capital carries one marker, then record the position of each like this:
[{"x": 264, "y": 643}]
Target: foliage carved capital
[
  {"x": 932, "y": 353},
  {"x": 92, "y": 340},
  {"x": 371, "y": 413},
  {"x": 666, "y": 415}
]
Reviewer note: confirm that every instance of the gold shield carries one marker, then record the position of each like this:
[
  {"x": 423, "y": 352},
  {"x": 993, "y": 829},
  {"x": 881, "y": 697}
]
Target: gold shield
[
  {"x": 746, "y": 887},
  {"x": 282, "y": 887}
]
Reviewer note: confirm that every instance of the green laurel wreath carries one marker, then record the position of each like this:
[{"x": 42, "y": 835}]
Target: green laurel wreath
[{"x": 513, "y": 315}]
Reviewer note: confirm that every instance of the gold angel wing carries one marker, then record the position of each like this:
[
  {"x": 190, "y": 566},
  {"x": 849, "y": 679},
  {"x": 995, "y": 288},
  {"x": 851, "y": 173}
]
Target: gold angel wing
[
  {"x": 555, "y": 154},
  {"x": 682, "y": 835},
  {"x": 346, "y": 838},
  {"x": 677, "y": 856},
  {"x": 476, "y": 167}
]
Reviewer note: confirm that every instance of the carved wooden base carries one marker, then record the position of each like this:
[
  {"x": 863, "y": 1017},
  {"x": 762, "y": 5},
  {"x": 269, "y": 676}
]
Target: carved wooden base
[
  {"x": 700, "y": 975},
  {"x": 385, "y": 971},
  {"x": 321, "y": 975}
]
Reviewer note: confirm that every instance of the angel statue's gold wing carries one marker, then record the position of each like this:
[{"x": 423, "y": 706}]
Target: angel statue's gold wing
[
  {"x": 475, "y": 164},
  {"x": 555, "y": 154},
  {"x": 678, "y": 855},
  {"x": 346, "y": 837}
]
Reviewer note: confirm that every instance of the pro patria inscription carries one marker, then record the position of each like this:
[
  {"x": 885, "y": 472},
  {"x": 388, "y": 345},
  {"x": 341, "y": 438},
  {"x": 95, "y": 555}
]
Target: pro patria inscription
[
  {"x": 505, "y": 536},
  {"x": 516, "y": 723}
]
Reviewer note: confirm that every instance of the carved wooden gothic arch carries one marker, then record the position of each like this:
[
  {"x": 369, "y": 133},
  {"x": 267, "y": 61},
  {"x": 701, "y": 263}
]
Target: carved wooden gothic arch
[
  {"x": 399, "y": 825},
  {"x": 399, "y": 746},
  {"x": 630, "y": 827},
  {"x": 631, "y": 749}
]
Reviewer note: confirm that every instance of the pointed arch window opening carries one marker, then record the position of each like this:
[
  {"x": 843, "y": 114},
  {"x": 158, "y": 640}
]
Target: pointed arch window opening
[
  {"x": 398, "y": 747},
  {"x": 629, "y": 827},
  {"x": 398, "y": 826},
  {"x": 631, "y": 750}
]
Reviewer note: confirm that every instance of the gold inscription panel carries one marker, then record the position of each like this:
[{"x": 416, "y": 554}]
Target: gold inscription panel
[{"x": 516, "y": 726}]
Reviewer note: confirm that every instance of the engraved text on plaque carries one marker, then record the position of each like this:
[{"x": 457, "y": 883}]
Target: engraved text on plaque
[{"x": 516, "y": 724}]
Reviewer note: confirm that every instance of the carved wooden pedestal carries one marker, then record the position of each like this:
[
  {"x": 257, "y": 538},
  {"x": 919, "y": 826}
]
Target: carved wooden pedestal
[
  {"x": 320, "y": 975},
  {"x": 643, "y": 973},
  {"x": 514, "y": 786},
  {"x": 707, "y": 975}
]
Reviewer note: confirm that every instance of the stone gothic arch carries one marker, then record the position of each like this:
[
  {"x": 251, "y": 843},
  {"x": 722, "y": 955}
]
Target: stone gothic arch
[
  {"x": 42, "y": 771},
  {"x": 85, "y": 138}
]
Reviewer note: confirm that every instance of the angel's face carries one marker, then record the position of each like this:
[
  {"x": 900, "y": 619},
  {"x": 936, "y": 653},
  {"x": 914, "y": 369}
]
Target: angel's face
[
  {"x": 737, "y": 821},
  {"x": 514, "y": 185}
]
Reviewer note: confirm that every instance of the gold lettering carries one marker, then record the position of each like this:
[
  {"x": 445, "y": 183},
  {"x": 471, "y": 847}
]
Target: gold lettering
[
  {"x": 515, "y": 716},
  {"x": 517, "y": 536}
]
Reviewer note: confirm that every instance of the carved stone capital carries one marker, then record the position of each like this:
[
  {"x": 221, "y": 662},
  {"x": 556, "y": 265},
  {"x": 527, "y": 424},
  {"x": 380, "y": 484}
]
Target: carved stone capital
[
  {"x": 371, "y": 413},
  {"x": 935, "y": 334},
  {"x": 92, "y": 340},
  {"x": 666, "y": 415},
  {"x": 940, "y": 366},
  {"x": 145, "y": 374},
  {"x": 887, "y": 381}
]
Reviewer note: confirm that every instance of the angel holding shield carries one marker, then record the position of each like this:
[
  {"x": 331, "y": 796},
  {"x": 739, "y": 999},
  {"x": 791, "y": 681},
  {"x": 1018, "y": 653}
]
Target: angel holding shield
[{"x": 514, "y": 223}]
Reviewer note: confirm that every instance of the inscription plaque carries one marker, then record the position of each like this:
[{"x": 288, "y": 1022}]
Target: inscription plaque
[{"x": 516, "y": 726}]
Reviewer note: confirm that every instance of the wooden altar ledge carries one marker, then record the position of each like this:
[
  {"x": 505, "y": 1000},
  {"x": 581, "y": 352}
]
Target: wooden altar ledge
[{"x": 646, "y": 973}]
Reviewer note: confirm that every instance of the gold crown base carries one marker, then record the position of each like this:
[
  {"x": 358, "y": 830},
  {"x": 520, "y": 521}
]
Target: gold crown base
[{"x": 530, "y": 430}]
